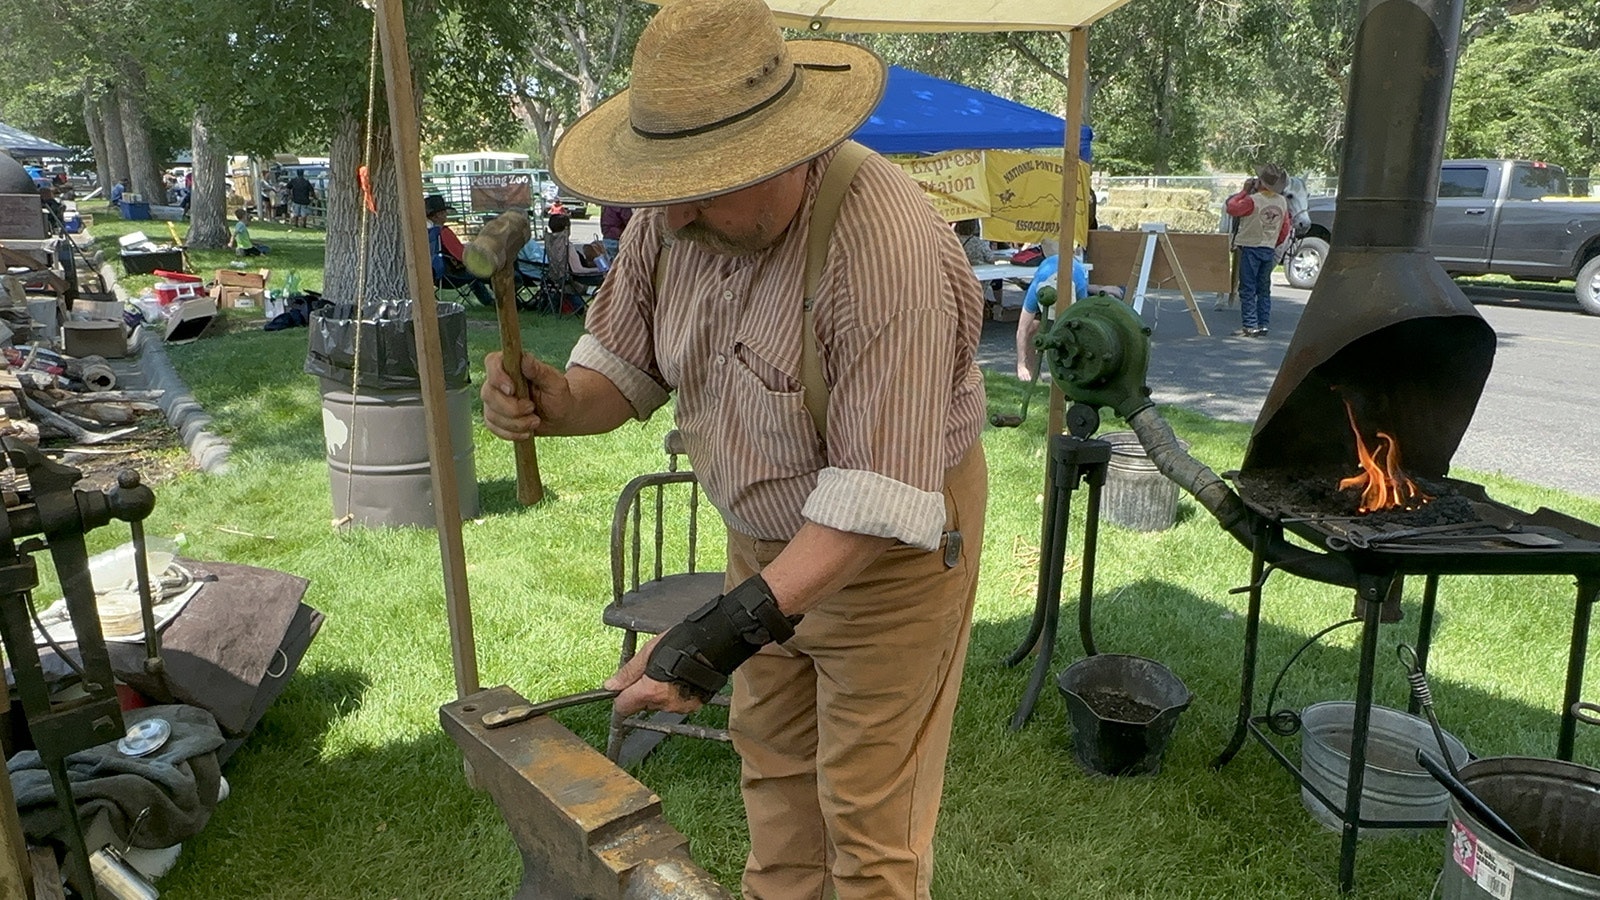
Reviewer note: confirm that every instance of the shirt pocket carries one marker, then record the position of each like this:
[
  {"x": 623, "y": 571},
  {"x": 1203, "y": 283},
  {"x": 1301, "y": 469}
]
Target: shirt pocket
[{"x": 771, "y": 420}]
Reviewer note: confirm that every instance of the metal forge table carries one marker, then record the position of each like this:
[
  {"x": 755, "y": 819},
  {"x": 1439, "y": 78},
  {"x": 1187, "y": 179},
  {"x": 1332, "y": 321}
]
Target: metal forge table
[{"x": 1381, "y": 570}]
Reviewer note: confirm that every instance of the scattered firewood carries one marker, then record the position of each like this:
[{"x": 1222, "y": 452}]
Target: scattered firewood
[{"x": 73, "y": 430}]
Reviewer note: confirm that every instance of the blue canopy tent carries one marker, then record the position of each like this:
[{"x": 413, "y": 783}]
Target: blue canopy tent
[
  {"x": 923, "y": 114},
  {"x": 21, "y": 143}
]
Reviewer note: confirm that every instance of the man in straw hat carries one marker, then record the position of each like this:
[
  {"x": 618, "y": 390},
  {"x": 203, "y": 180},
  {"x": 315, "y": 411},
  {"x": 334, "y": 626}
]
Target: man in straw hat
[{"x": 854, "y": 524}]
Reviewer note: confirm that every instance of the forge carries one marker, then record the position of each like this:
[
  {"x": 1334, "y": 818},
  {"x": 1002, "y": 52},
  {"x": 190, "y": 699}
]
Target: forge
[{"x": 1346, "y": 479}]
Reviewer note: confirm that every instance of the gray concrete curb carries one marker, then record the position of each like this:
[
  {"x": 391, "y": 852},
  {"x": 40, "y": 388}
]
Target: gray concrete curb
[{"x": 150, "y": 367}]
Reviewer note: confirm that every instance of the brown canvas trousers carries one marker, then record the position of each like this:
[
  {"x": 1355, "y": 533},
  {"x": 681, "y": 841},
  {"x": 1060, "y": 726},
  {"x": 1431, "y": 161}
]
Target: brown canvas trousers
[{"x": 843, "y": 732}]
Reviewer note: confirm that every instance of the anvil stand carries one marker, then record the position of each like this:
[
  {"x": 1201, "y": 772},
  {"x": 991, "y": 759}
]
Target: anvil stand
[{"x": 1074, "y": 458}]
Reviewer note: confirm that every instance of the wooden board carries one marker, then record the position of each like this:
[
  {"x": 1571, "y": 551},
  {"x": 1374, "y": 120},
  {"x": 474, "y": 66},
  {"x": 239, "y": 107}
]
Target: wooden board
[
  {"x": 21, "y": 216},
  {"x": 1204, "y": 257}
]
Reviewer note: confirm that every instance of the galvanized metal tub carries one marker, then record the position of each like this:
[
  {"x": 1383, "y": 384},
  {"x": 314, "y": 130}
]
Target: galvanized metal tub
[
  {"x": 1394, "y": 788},
  {"x": 1136, "y": 495},
  {"x": 1553, "y": 805},
  {"x": 378, "y": 454}
]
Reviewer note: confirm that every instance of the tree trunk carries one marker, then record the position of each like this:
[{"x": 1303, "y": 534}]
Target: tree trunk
[
  {"x": 143, "y": 168},
  {"x": 384, "y": 249},
  {"x": 116, "y": 144},
  {"x": 97, "y": 141},
  {"x": 208, "y": 205}
]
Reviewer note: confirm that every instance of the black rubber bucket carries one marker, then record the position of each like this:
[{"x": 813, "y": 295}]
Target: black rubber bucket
[{"x": 1122, "y": 711}]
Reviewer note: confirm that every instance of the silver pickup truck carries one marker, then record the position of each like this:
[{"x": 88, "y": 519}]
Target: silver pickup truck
[{"x": 1494, "y": 216}]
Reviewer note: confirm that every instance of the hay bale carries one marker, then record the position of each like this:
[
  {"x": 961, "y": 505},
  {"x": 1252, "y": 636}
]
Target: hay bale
[{"x": 1125, "y": 219}]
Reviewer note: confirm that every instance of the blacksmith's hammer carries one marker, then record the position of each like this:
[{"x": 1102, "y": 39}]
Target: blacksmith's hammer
[{"x": 491, "y": 255}]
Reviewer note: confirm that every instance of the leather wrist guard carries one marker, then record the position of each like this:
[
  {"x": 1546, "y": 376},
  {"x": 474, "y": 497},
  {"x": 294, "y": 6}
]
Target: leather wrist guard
[{"x": 701, "y": 652}]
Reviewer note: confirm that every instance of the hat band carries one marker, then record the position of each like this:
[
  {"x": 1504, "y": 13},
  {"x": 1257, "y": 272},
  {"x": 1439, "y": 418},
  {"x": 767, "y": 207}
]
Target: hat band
[{"x": 742, "y": 114}]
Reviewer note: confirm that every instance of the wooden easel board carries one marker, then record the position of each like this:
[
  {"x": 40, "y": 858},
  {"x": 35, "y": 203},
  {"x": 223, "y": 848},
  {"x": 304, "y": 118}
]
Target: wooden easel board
[{"x": 1204, "y": 257}]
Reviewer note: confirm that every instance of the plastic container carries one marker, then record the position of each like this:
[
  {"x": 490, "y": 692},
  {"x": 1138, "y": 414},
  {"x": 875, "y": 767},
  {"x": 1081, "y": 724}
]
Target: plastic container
[
  {"x": 1394, "y": 788},
  {"x": 168, "y": 292},
  {"x": 1122, "y": 711},
  {"x": 114, "y": 570}
]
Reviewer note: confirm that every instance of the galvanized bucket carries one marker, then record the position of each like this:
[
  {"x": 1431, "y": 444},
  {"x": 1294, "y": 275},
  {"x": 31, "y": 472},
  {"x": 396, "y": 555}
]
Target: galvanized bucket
[
  {"x": 1136, "y": 495},
  {"x": 1394, "y": 787},
  {"x": 1553, "y": 805}
]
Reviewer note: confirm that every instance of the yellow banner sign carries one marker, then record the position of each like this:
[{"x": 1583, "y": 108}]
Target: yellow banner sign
[
  {"x": 1016, "y": 194},
  {"x": 1025, "y": 197},
  {"x": 953, "y": 182}
]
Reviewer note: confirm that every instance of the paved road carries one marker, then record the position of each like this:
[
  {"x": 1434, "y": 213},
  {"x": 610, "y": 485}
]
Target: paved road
[{"x": 1538, "y": 420}]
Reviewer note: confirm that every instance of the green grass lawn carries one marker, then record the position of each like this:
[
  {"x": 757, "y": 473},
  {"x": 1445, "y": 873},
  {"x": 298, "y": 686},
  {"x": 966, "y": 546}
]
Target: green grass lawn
[
  {"x": 292, "y": 250},
  {"x": 350, "y": 789}
]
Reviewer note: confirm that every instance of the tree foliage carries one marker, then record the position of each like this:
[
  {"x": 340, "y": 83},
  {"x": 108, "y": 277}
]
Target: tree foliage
[
  {"x": 1177, "y": 86},
  {"x": 1528, "y": 86}
]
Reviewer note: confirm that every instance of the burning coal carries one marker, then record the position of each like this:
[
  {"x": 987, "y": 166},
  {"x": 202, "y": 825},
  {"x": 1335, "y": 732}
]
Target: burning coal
[{"x": 1383, "y": 484}]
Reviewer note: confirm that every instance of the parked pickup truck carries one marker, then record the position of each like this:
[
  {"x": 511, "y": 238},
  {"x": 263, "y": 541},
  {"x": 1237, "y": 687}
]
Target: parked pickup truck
[{"x": 1494, "y": 216}]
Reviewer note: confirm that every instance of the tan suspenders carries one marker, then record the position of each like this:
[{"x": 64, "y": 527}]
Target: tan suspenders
[{"x": 824, "y": 213}]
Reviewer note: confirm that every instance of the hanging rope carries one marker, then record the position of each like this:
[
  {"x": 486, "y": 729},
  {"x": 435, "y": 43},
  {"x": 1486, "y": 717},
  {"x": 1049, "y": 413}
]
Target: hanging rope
[{"x": 363, "y": 249}]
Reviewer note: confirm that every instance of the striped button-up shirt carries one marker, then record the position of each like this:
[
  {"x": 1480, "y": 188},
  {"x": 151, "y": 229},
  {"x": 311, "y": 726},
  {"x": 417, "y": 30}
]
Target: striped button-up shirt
[{"x": 898, "y": 316}]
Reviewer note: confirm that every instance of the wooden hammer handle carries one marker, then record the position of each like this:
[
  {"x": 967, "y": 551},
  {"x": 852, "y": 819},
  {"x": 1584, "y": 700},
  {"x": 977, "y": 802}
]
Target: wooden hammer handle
[
  {"x": 492, "y": 254},
  {"x": 530, "y": 489}
]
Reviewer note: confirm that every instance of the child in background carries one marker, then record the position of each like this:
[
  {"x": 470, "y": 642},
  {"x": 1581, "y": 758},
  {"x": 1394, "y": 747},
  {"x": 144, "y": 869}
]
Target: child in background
[{"x": 240, "y": 240}]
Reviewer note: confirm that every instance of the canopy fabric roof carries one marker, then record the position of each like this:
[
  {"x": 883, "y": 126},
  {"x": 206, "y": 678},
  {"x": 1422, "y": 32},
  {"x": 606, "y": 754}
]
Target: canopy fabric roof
[
  {"x": 923, "y": 114},
  {"x": 937, "y": 15},
  {"x": 18, "y": 141}
]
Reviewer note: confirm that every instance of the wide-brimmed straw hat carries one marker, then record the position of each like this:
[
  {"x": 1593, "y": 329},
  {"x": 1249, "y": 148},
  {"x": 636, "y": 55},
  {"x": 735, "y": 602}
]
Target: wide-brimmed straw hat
[{"x": 717, "y": 101}]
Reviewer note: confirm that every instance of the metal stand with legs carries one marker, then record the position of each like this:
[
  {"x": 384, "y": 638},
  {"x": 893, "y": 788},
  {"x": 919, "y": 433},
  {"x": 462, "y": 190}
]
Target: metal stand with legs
[{"x": 1073, "y": 459}]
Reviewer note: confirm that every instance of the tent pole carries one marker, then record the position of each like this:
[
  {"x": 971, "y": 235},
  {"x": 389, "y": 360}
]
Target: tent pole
[
  {"x": 1077, "y": 75},
  {"x": 430, "y": 359}
]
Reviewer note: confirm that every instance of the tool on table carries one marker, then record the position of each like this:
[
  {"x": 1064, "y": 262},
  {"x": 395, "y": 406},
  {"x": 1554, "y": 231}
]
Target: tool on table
[
  {"x": 492, "y": 254},
  {"x": 1362, "y": 536}
]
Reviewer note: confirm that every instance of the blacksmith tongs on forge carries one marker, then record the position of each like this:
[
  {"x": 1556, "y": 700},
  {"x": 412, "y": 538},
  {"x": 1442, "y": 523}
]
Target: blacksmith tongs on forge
[{"x": 1361, "y": 537}]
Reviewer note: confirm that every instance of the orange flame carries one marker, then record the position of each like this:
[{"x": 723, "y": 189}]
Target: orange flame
[{"x": 1383, "y": 484}]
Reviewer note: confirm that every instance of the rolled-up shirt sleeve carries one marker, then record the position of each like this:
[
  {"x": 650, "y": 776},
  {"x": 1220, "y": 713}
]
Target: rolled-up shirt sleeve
[
  {"x": 900, "y": 363},
  {"x": 619, "y": 323},
  {"x": 643, "y": 393},
  {"x": 868, "y": 503}
]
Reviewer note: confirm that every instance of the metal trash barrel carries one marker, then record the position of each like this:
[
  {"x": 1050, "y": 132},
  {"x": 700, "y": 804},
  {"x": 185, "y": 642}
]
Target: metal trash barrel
[
  {"x": 1553, "y": 805},
  {"x": 373, "y": 419},
  {"x": 1136, "y": 495}
]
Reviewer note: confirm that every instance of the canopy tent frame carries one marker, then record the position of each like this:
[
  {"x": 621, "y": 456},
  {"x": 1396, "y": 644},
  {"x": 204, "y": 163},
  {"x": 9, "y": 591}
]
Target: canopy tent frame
[{"x": 1071, "y": 16}]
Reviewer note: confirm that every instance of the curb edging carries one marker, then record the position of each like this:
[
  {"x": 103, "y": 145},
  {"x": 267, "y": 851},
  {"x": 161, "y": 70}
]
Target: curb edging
[{"x": 184, "y": 413}]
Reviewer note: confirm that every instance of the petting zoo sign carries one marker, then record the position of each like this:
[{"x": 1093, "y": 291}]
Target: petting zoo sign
[
  {"x": 498, "y": 193},
  {"x": 1017, "y": 194}
]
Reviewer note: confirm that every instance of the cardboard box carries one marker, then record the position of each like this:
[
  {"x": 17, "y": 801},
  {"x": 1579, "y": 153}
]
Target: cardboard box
[
  {"x": 96, "y": 310},
  {"x": 107, "y": 339},
  {"x": 147, "y": 263},
  {"x": 189, "y": 319},
  {"x": 233, "y": 289}
]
